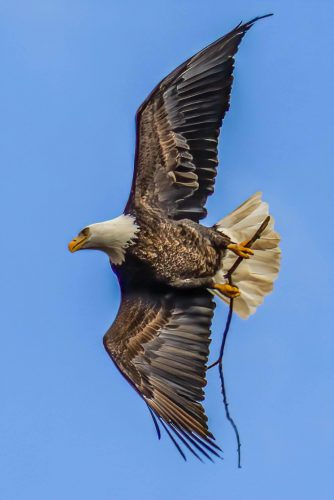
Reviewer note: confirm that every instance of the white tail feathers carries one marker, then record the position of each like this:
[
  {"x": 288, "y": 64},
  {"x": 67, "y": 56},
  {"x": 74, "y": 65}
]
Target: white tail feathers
[{"x": 254, "y": 276}]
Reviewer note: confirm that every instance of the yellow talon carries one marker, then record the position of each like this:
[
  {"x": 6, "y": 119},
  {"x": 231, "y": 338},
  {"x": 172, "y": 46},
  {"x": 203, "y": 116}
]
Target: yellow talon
[
  {"x": 241, "y": 249},
  {"x": 230, "y": 291}
]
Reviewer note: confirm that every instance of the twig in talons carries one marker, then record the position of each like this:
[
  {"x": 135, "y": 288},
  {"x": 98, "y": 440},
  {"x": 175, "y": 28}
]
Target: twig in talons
[
  {"x": 219, "y": 361},
  {"x": 251, "y": 242}
]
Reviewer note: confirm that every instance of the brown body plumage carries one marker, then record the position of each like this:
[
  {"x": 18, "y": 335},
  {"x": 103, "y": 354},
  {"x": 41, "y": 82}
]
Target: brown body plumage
[{"x": 174, "y": 251}]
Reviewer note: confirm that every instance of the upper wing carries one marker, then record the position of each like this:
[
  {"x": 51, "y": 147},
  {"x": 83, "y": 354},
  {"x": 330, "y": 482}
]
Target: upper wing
[
  {"x": 160, "y": 343},
  {"x": 177, "y": 131}
]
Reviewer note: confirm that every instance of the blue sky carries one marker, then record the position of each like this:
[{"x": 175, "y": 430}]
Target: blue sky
[{"x": 73, "y": 74}]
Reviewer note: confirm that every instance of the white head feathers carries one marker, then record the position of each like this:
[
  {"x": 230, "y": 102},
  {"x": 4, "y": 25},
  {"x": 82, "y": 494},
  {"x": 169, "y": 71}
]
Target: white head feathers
[{"x": 113, "y": 236}]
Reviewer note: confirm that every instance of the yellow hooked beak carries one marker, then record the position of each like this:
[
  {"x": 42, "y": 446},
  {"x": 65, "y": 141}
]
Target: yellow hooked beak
[{"x": 77, "y": 243}]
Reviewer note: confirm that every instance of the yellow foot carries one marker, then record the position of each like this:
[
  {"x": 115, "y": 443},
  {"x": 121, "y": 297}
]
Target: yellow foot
[
  {"x": 230, "y": 291},
  {"x": 241, "y": 249}
]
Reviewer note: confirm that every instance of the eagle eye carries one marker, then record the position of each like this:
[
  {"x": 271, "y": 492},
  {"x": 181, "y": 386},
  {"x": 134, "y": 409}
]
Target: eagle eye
[{"x": 84, "y": 232}]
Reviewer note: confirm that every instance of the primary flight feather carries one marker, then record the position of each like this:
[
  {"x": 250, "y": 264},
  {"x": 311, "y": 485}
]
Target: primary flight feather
[{"x": 168, "y": 265}]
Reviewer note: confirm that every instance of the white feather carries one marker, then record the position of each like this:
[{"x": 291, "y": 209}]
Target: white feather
[
  {"x": 114, "y": 236},
  {"x": 254, "y": 276}
]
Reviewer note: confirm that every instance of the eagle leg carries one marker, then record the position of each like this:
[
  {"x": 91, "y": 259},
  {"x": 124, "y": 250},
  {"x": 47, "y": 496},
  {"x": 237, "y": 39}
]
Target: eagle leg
[
  {"x": 241, "y": 249},
  {"x": 229, "y": 290}
]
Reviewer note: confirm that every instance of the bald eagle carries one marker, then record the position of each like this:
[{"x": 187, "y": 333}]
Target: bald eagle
[{"x": 167, "y": 263}]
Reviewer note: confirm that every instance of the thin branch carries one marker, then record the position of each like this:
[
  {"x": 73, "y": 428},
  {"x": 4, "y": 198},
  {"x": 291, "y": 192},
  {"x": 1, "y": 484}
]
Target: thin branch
[
  {"x": 251, "y": 242},
  {"x": 219, "y": 361},
  {"x": 227, "y": 413},
  {"x": 227, "y": 327}
]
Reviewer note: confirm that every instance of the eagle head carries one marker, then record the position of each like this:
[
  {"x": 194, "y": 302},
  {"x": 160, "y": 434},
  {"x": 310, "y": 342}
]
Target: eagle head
[{"x": 112, "y": 237}]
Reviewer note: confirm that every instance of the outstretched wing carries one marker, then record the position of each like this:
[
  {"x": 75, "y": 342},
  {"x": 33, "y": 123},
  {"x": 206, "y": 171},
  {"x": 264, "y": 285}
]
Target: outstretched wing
[
  {"x": 177, "y": 131},
  {"x": 160, "y": 343}
]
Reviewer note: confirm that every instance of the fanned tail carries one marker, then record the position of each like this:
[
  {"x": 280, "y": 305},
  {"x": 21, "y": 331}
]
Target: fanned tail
[{"x": 255, "y": 276}]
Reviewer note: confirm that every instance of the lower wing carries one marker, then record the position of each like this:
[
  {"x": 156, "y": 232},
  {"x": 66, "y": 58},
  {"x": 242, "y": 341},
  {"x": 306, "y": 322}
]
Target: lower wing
[{"x": 160, "y": 343}]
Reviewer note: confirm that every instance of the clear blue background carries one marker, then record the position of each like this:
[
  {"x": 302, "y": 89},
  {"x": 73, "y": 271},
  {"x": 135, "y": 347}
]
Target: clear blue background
[{"x": 72, "y": 75}]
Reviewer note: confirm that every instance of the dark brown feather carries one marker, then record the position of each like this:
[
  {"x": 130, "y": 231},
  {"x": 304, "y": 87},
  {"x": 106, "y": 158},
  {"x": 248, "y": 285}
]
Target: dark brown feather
[
  {"x": 177, "y": 132},
  {"x": 160, "y": 342}
]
